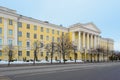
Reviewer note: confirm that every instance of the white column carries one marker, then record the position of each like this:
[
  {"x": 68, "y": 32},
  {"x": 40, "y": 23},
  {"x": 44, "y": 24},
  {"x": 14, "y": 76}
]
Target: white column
[
  {"x": 79, "y": 40},
  {"x": 84, "y": 43},
  {"x": 84, "y": 40},
  {"x": 88, "y": 46},
  {"x": 73, "y": 36},
  {"x": 5, "y": 31},
  {"x": 98, "y": 41},
  {"x": 16, "y": 35},
  {"x": 91, "y": 37},
  {"x": 95, "y": 42}
]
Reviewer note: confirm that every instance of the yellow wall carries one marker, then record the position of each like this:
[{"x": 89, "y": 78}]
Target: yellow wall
[{"x": 24, "y": 39}]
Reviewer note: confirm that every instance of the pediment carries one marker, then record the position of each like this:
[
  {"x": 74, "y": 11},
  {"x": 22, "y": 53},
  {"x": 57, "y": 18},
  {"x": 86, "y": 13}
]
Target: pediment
[{"x": 91, "y": 26}]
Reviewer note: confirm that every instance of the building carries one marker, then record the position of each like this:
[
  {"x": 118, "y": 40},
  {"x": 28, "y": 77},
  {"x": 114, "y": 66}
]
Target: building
[{"x": 22, "y": 32}]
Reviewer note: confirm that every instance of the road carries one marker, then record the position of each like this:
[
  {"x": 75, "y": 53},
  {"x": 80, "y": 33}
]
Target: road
[{"x": 88, "y": 71}]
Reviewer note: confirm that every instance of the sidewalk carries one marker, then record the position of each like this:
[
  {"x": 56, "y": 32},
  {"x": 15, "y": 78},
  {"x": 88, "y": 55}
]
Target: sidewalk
[{"x": 43, "y": 64}]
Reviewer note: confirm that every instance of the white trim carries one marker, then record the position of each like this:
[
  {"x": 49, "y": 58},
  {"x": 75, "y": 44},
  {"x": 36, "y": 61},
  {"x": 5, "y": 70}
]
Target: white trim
[
  {"x": 79, "y": 40},
  {"x": 15, "y": 34},
  {"x": 5, "y": 32}
]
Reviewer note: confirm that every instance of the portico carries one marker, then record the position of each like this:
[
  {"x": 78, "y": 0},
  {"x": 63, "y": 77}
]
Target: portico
[{"x": 86, "y": 38}]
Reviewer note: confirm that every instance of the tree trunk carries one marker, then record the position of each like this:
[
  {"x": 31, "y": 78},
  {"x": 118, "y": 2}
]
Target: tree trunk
[
  {"x": 91, "y": 57},
  {"x": 34, "y": 57},
  {"x": 64, "y": 57},
  {"x": 51, "y": 60},
  {"x": 98, "y": 57}
]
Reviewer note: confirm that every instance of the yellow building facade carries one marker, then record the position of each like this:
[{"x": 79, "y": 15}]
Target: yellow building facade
[{"x": 22, "y": 32}]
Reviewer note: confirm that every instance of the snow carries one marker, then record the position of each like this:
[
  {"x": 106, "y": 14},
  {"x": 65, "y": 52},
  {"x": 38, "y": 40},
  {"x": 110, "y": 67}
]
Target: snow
[{"x": 42, "y": 61}]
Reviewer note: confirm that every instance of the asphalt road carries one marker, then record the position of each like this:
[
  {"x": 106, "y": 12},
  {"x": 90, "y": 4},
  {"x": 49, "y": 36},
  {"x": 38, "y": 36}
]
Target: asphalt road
[{"x": 89, "y": 71}]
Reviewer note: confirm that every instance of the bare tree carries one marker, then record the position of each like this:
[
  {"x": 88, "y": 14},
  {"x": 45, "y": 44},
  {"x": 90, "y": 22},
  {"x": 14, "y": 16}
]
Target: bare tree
[
  {"x": 99, "y": 50},
  {"x": 37, "y": 46},
  {"x": 74, "y": 48},
  {"x": 64, "y": 45},
  {"x": 10, "y": 50},
  {"x": 51, "y": 48}
]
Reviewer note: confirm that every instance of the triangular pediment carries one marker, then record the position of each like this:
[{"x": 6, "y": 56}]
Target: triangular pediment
[{"x": 91, "y": 26}]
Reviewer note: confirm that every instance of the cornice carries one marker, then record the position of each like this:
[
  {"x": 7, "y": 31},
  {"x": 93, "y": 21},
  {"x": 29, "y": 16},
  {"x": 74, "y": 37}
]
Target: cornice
[{"x": 15, "y": 16}]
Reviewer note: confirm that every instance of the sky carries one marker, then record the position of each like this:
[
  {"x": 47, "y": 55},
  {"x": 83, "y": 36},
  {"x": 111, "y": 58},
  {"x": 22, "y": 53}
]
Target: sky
[{"x": 105, "y": 14}]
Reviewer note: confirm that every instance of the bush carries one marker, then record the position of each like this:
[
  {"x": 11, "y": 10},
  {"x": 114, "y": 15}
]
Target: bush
[
  {"x": 46, "y": 58},
  {"x": 65, "y": 59},
  {"x": 27, "y": 60},
  {"x": 31, "y": 60}
]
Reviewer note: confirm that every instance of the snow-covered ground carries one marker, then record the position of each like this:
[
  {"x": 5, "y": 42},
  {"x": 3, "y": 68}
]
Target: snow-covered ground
[{"x": 42, "y": 61}]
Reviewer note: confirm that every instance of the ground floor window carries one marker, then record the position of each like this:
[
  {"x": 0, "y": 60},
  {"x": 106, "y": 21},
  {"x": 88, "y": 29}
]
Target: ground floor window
[
  {"x": 28, "y": 53},
  {"x": 41, "y": 53},
  {"x": 19, "y": 53},
  {"x": 47, "y": 53}
]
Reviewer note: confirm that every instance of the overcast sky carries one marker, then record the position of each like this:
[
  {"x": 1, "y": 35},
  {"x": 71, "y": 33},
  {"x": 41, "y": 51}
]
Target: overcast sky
[{"x": 105, "y": 14}]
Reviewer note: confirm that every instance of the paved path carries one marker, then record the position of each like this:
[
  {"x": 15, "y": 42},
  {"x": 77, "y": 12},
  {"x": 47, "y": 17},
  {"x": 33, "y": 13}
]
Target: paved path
[{"x": 61, "y": 72}]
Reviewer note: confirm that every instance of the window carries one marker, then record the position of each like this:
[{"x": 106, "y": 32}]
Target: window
[
  {"x": 0, "y": 19},
  {"x": 0, "y": 30},
  {"x": 10, "y": 32},
  {"x": 47, "y": 37},
  {"x": 28, "y": 44},
  {"x": 41, "y": 53},
  {"x": 0, "y": 41},
  {"x": 58, "y": 39},
  {"x": 28, "y": 26},
  {"x": 19, "y": 53},
  {"x": 0, "y": 53},
  {"x": 20, "y": 43},
  {"x": 62, "y": 33},
  {"x": 41, "y": 45},
  {"x": 28, "y": 53},
  {"x": 41, "y": 37},
  {"x": 52, "y": 31},
  {"x": 47, "y": 53},
  {"x": 47, "y": 30},
  {"x": 35, "y": 27},
  {"x": 28, "y": 35},
  {"x": 19, "y": 24},
  {"x": 19, "y": 33},
  {"x": 53, "y": 39},
  {"x": 10, "y": 22},
  {"x": 35, "y": 36},
  {"x": 10, "y": 42},
  {"x": 42, "y": 29},
  {"x": 58, "y": 32}
]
